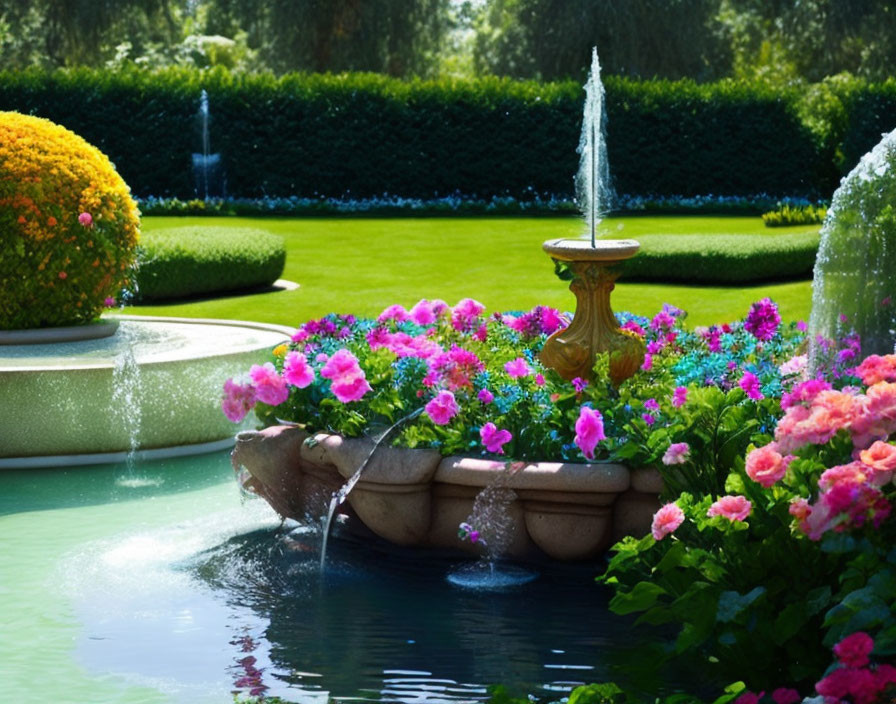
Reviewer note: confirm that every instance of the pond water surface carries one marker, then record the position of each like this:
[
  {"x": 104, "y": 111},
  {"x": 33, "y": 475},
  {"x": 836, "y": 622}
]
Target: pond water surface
[{"x": 160, "y": 583}]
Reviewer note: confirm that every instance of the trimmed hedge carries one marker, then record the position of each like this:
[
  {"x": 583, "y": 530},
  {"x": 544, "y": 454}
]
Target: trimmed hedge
[
  {"x": 190, "y": 261},
  {"x": 360, "y": 136},
  {"x": 722, "y": 259}
]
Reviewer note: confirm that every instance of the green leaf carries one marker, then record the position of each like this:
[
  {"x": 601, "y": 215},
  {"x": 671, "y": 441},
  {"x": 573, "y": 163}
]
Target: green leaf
[
  {"x": 594, "y": 693},
  {"x": 640, "y": 598},
  {"x": 732, "y": 604}
]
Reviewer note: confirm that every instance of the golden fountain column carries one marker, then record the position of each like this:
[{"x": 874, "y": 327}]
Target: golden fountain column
[{"x": 594, "y": 329}]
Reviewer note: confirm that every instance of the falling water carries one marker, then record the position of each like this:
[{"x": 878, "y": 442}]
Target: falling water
[
  {"x": 208, "y": 173},
  {"x": 340, "y": 496},
  {"x": 853, "y": 288},
  {"x": 127, "y": 390},
  {"x": 594, "y": 192}
]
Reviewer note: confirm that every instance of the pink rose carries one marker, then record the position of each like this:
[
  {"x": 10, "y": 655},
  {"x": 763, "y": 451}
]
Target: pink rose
[
  {"x": 666, "y": 520},
  {"x": 297, "y": 371},
  {"x": 734, "y": 508},
  {"x": 881, "y": 456},
  {"x": 494, "y": 439},
  {"x": 765, "y": 465},
  {"x": 853, "y": 651},
  {"x": 270, "y": 387},
  {"x": 677, "y": 453},
  {"x": 442, "y": 408},
  {"x": 589, "y": 431}
]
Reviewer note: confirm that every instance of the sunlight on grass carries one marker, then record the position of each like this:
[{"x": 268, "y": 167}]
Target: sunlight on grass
[{"x": 361, "y": 265}]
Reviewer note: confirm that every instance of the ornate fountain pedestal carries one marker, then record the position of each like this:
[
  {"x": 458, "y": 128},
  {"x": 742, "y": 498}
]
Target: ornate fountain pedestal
[{"x": 594, "y": 329}]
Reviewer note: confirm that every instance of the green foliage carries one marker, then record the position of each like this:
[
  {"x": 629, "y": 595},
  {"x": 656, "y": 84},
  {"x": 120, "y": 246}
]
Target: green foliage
[
  {"x": 189, "y": 261},
  {"x": 786, "y": 215},
  {"x": 870, "y": 112},
  {"x": 722, "y": 258},
  {"x": 362, "y": 135}
]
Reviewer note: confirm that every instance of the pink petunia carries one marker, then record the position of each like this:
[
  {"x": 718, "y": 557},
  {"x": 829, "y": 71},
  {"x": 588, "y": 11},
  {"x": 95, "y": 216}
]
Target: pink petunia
[
  {"x": 589, "y": 431},
  {"x": 485, "y": 396},
  {"x": 666, "y": 520},
  {"x": 296, "y": 370},
  {"x": 442, "y": 408},
  {"x": 517, "y": 368},
  {"x": 494, "y": 439},
  {"x": 679, "y": 396},
  {"x": 765, "y": 465},
  {"x": 270, "y": 387},
  {"x": 237, "y": 401},
  {"x": 348, "y": 382},
  {"x": 677, "y": 453},
  {"x": 734, "y": 508}
]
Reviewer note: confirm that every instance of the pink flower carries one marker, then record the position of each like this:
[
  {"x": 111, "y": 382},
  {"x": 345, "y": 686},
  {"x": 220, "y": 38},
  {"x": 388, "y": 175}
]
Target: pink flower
[
  {"x": 422, "y": 313},
  {"x": 579, "y": 384},
  {"x": 875, "y": 368},
  {"x": 347, "y": 380},
  {"x": 784, "y": 695},
  {"x": 749, "y": 382},
  {"x": 109, "y": 301},
  {"x": 647, "y": 363},
  {"x": 666, "y": 520},
  {"x": 763, "y": 320},
  {"x": 804, "y": 393},
  {"x": 677, "y": 453},
  {"x": 858, "y": 684},
  {"x": 86, "y": 219},
  {"x": 794, "y": 366},
  {"x": 464, "y": 316},
  {"x": 679, "y": 396},
  {"x": 589, "y": 431},
  {"x": 749, "y": 698},
  {"x": 237, "y": 401},
  {"x": 494, "y": 439},
  {"x": 734, "y": 508},
  {"x": 853, "y": 651},
  {"x": 394, "y": 312},
  {"x": 765, "y": 465},
  {"x": 881, "y": 456},
  {"x": 517, "y": 368},
  {"x": 270, "y": 387},
  {"x": 539, "y": 380},
  {"x": 296, "y": 370},
  {"x": 485, "y": 396},
  {"x": 442, "y": 408}
]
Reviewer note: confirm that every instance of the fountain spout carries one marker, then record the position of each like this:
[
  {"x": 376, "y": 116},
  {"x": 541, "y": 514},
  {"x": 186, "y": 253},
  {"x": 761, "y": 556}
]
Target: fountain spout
[{"x": 208, "y": 172}]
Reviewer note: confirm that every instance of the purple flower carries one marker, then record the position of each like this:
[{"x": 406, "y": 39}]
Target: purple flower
[
  {"x": 485, "y": 396},
  {"x": 677, "y": 453},
  {"x": 647, "y": 418},
  {"x": 651, "y": 404},
  {"x": 494, "y": 439},
  {"x": 579, "y": 384},
  {"x": 763, "y": 320},
  {"x": 679, "y": 396}
]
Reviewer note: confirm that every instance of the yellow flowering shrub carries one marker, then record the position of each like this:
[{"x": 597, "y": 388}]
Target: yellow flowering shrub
[{"x": 68, "y": 226}]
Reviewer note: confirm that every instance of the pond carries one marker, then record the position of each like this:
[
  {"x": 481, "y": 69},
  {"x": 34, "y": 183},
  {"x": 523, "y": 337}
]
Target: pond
[{"x": 160, "y": 583}]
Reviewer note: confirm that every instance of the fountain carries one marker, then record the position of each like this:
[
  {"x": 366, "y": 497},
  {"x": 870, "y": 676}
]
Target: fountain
[
  {"x": 415, "y": 497},
  {"x": 208, "y": 171},
  {"x": 592, "y": 265},
  {"x": 853, "y": 289}
]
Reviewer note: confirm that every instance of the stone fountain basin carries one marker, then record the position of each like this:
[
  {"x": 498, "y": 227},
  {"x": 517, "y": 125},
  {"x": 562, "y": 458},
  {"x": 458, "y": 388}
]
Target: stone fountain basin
[
  {"x": 562, "y": 511},
  {"x": 65, "y": 403}
]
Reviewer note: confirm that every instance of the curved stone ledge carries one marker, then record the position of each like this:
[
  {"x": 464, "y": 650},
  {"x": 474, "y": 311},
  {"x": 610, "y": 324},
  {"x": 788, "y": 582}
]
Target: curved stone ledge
[{"x": 563, "y": 511}]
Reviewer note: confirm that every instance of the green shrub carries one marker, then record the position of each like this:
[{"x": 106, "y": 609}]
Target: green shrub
[
  {"x": 358, "y": 136},
  {"x": 785, "y": 215},
  {"x": 189, "y": 261},
  {"x": 870, "y": 113},
  {"x": 723, "y": 259}
]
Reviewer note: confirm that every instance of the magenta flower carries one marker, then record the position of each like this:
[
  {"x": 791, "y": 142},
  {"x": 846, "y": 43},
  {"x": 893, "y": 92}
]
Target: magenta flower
[
  {"x": 517, "y": 368},
  {"x": 422, "y": 313},
  {"x": 785, "y": 695},
  {"x": 348, "y": 382},
  {"x": 86, "y": 219},
  {"x": 108, "y": 301},
  {"x": 734, "y": 508},
  {"x": 589, "y": 431},
  {"x": 442, "y": 408},
  {"x": 394, "y": 312},
  {"x": 853, "y": 651},
  {"x": 749, "y": 382},
  {"x": 651, "y": 404},
  {"x": 485, "y": 396},
  {"x": 579, "y": 384},
  {"x": 494, "y": 439},
  {"x": 465, "y": 314},
  {"x": 763, "y": 320},
  {"x": 270, "y": 387},
  {"x": 297, "y": 371},
  {"x": 237, "y": 401},
  {"x": 677, "y": 453},
  {"x": 679, "y": 396},
  {"x": 666, "y": 520}
]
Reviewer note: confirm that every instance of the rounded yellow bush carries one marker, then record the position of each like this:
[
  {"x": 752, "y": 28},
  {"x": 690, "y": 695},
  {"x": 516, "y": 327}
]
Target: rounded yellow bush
[{"x": 68, "y": 226}]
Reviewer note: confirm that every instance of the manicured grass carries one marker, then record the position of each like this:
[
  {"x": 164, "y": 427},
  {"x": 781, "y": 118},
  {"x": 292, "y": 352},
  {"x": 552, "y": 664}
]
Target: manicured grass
[{"x": 356, "y": 265}]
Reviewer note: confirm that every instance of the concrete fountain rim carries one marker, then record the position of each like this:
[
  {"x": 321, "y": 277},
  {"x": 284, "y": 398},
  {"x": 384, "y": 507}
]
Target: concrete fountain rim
[{"x": 581, "y": 250}]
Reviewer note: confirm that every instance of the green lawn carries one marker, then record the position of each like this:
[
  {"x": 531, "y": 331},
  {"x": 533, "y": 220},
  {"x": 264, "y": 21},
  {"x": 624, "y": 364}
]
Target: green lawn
[{"x": 361, "y": 265}]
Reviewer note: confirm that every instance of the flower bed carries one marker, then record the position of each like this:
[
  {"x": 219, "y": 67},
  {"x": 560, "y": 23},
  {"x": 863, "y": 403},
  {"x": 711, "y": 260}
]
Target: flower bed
[{"x": 775, "y": 543}]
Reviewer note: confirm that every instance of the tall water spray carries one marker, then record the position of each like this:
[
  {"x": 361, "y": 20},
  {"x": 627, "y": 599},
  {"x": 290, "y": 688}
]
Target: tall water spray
[
  {"x": 208, "y": 172},
  {"x": 594, "y": 192},
  {"x": 854, "y": 287}
]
